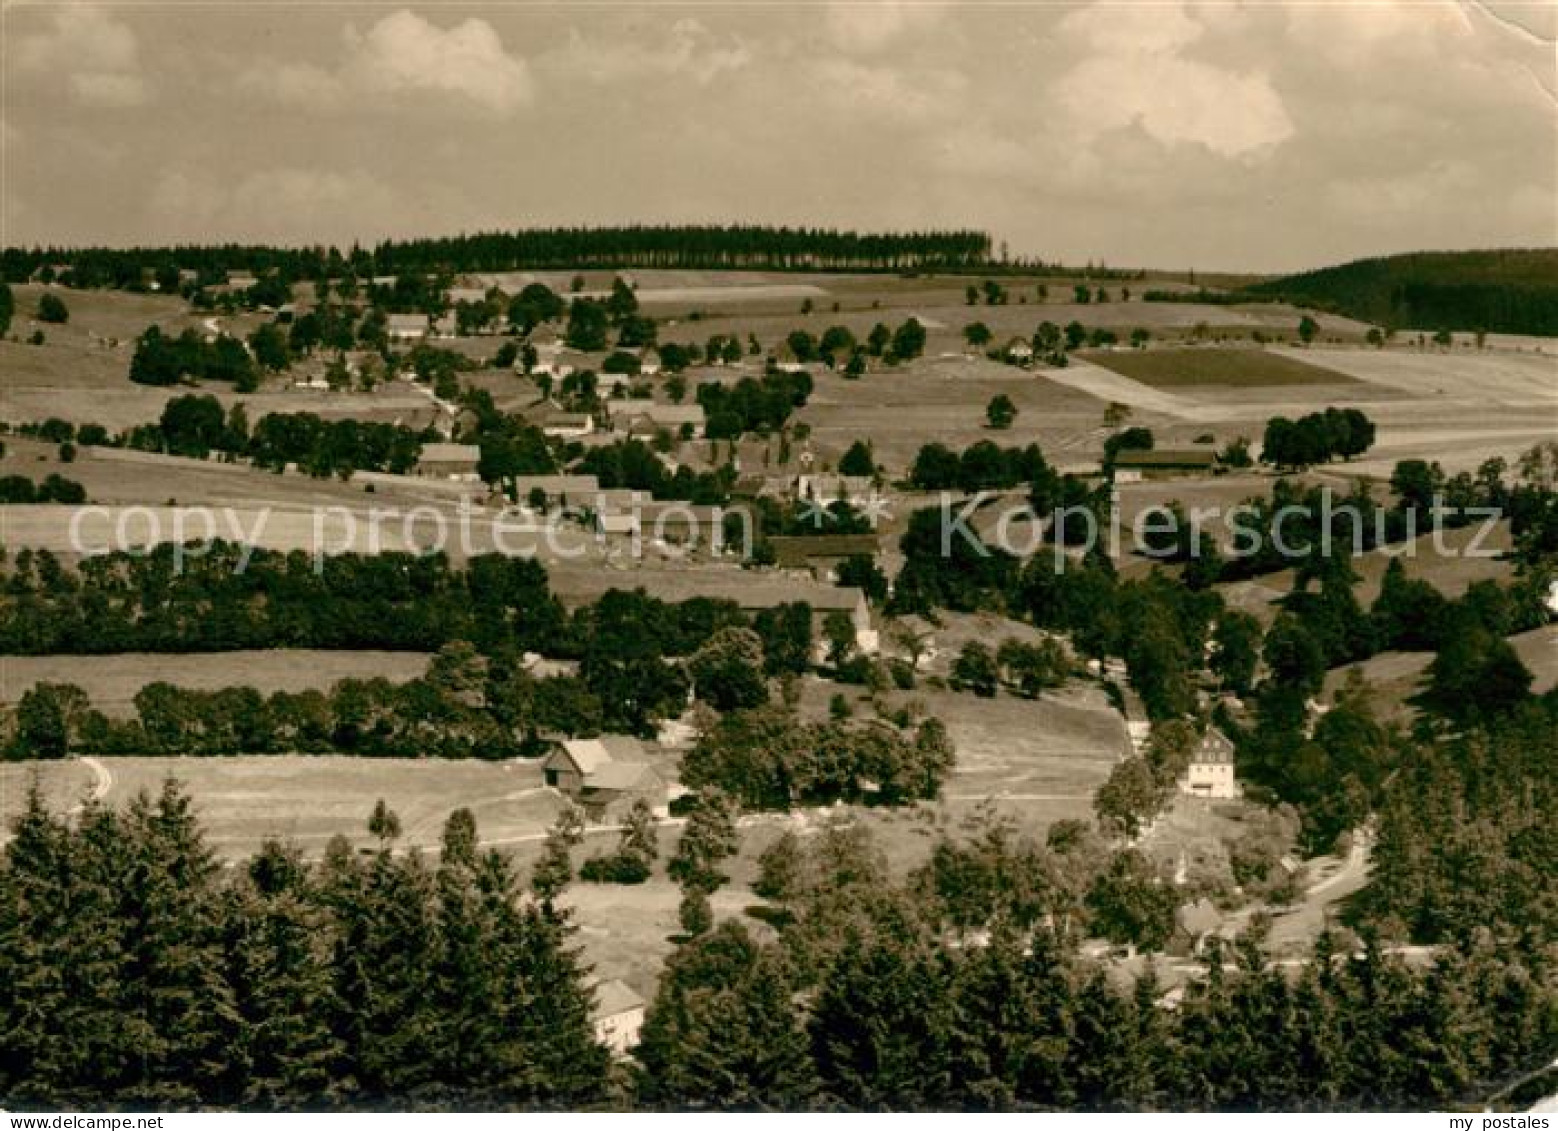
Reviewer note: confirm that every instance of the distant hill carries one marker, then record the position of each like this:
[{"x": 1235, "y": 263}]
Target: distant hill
[{"x": 1511, "y": 291}]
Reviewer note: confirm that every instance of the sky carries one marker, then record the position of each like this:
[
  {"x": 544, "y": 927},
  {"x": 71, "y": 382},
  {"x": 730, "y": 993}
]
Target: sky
[{"x": 1253, "y": 136}]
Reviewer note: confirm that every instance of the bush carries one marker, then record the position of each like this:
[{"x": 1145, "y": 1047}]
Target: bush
[
  {"x": 618, "y": 868},
  {"x": 52, "y": 309}
]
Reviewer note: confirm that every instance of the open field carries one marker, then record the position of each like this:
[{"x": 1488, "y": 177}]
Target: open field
[
  {"x": 309, "y": 799},
  {"x": 1516, "y": 380},
  {"x": 1189, "y": 368},
  {"x": 123, "y": 476},
  {"x": 943, "y": 400},
  {"x": 111, "y": 682}
]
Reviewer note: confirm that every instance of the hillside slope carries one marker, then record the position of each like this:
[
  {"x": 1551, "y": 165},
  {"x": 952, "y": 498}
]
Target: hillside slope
[{"x": 1513, "y": 291}]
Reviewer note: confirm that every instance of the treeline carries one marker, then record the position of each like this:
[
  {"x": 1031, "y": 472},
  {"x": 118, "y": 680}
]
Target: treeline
[
  {"x": 53, "y": 488},
  {"x": 195, "y": 425},
  {"x": 708, "y": 247},
  {"x": 636, "y": 655},
  {"x": 236, "y": 597},
  {"x": 140, "y": 974},
  {"x": 1502, "y": 291},
  {"x": 467, "y": 706}
]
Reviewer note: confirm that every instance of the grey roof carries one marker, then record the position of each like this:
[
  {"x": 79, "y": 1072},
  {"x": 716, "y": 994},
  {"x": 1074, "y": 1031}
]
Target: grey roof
[
  {"x": 614, "y": 997},
  {"x": 449, "y": 453},
  {"x": 799, "y": 550},
  {"x": 1214, "y": 749},
  {"x": 621, "y": 776},
  {"x": 659, "y": 413},
  {"x": 1167, "y": 457},
  {"x": 570, "y": 485}
]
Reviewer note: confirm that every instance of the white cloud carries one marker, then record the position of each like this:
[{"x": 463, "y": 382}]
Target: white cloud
[
  {"x": 98, "y": 57},
  {"x": 872, "y": 25},
  {"x": 688, "y": 49},
  {"x": 1134, "y": 71},
  {"x": 404, "y": 54},
  {"x": 853, "y": 88}
]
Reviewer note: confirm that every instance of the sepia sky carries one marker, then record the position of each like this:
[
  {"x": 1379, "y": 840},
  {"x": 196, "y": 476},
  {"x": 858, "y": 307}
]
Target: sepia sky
[{"x": 1243, "y": 136}]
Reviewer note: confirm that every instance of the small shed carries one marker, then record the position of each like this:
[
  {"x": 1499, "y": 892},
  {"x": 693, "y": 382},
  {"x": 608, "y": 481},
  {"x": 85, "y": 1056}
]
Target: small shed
[
  {"x": 617, "y": 1016},
  {"x": 449, "y": 461}
]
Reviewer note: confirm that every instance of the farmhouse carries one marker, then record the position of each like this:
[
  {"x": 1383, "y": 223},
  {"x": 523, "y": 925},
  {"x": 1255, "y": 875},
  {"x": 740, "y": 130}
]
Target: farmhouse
[
  {"x": 406, "y": 327},
  {"x": 618, "y": 1016},
  {"x": 613, "y": 385},
  {"x": 1018, "y": 351},
  {"x": 823, "y": 554},
  {"x": 1211, "y": 771},
  {"x": 665, "y": 521},
  {"x": 568, "y": 425},
  {"x": 553, "y": 367},
  {"x": 605, "y": 775},
  {"x": 1165, "y": 460},
  {"x": 644, "y": 418},
  {"x": 564, "y": 490},
  {"x": 449, "y": 461}
]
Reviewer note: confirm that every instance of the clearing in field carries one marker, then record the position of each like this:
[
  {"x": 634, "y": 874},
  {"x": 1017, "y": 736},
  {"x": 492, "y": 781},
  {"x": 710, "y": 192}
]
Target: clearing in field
[
  {"x": 1395, "y": 677},
  {"x": 1188, "y": 368}
]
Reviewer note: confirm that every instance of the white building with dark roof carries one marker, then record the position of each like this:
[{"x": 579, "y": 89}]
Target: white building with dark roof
[{"x": 1211, "y": 771}]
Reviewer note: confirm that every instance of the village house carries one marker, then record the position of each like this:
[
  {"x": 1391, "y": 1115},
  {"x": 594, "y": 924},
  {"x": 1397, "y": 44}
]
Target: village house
[
  {"x": 617, "y": 1016},
  {"x": 670, "y": 521},
  {"x": 631, "y": 417},
  {"x": 557, "y": 490},
  {"x": 821, "y": 555},
  {"x": 1163, "y": 461},
  {"x": 604, "y": 775},
  {"x": 613, "y": 385},
  {"x": 406, "y": 327},
  {"x": 449, "y": 461},
  {"x": 567, "y": 425},
  {"x": 1211, "y": 771}
]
